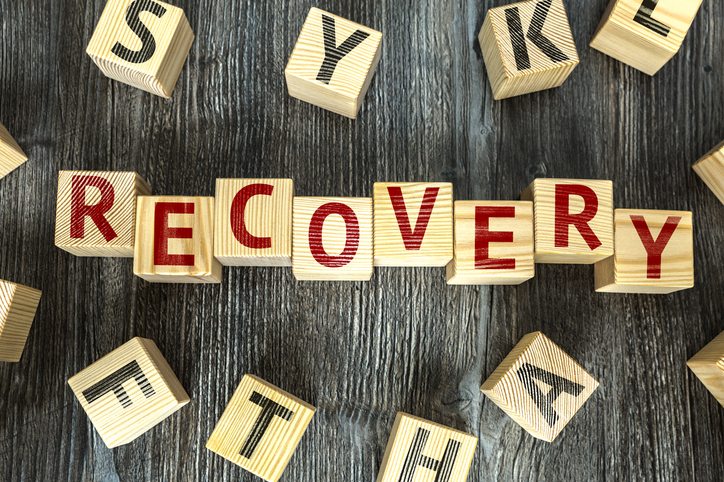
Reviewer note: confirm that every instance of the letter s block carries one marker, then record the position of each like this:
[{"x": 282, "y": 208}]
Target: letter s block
[
  {"x": 18, "y": 304},
  {"x": 11, "y": 156},
  {"x": 710, "y": 169},
  {"x": 260, "y": 428},
  {"x": 143, "y": 43},
  {"x": 708, "y": 366},
  {"x": 128, "y": 391},
  {"x": 333, "y": 63},
  {"x": 527, "y": 47}
]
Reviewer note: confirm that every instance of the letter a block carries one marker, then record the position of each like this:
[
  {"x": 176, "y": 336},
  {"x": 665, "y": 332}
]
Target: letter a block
[
  {"x": 260, "y": 428},
  {"x": 332, "y": 239},
  {"x": 128, "y": 391},
  {"x": 175, "y": 240},
  {"x": 527, "y": 47},
  {"x": 333, "y": 63},
  {"x": 18, "y": 304},
  {"x": 96, "y": 212},
  {"x": 11, "y": 156},
  {"x": 710, "y": 169},
  {"x": 143, "y": 43},
  {"x": 422, "y": 450},
  {"x": 708, "y": 366},
  {"x": 539, "y": 386},
  {"x": 253, "y": 224},
  {"x": 654, "y": 253}
]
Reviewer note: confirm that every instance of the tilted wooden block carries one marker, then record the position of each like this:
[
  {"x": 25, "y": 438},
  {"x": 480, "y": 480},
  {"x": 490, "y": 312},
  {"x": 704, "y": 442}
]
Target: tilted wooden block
[
  {"x": 708, "y": 366},
  {"x": 128, "y": 391},
  {"x": 493, "y": 243},
  {"x": 253, "y": 224},
  {"x": 260, "y": 428},
  {"x": 11, "y": 156},
  {"x": 644, "y": 34},
  {"x": 422, "y": 450},
  {"x": 573, "y": 220},
  {"x": 96, "y": 212},
  {"x": 527, "y": 47},
  {"x": 539, "y": 386},
  {"x": 710, "y": 169},
  {"x": 18, "y": 304},
  {"x": 175, "y": 240},
  {"x": 654, "y": 253},
  {"x": 413, "y": 223},
  {"x": 143, "y": 43},
  {"x": 333, "y": 63},
  {"x": 332, "y": 239}
]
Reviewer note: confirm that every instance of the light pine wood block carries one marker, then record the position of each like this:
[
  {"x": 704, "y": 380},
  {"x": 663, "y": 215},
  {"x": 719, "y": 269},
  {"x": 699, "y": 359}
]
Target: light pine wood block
[
  {"x": 332, "y": 239},
  {"x": 708, "y": 366},
  {"x": 333, "y": 63},
  {"x": 582, "y": 232},
  {"x": 644, "y": 34},
  {"x": 523, "y": 56},
  {"x": 659, "y": 259},
  {"x": 143, "y": 48},
  {"x": 96, "y": 212},
  {"x": 18, "y": 304},
  {"x": 493, "y": 243},
  {"x": 185, "y": 224},
  {"x": 416, "y": 229},
  {"x": 539, "y": 386},
  {"x": 11, "y": 155},
  {"x": 710, "y": 169},
  {"x": 253, "y": 222},
  {"x": 419, "y": 450},
  {"x": 128, "y": 391},
  {"x": 261, "y": 428}
]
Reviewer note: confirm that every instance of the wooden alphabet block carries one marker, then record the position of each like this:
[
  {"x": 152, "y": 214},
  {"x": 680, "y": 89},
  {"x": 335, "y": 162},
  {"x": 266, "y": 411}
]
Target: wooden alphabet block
[
  {"x": 710, "y": 169},
  {"x": 143, "y": 43},
  {"x": 96, "y": 212},
  {"x": 420, "y": 450},
  {"x": 11, "y": 156},
  {"x": 527, "y": 47},
  {"x": 493, "y": 243},
  {"x": 644, "y": 34},
  {"x": 128, "y": 391},
  {"x": 333, "y": 63},
  {"x": 413, "y": 223},
  {"x": 539, "y": 386},
  {"x": 573, "y": 220},
  {"x": 260, "y": 428},
  {"x": 175, "y": 240},
  {"x": 332, "y": 239},
  {"x": 18, "y": 304},
  {"x": 253, "y": 222},
  {"x": 654, "y": 253},
  {"x": 708, "y": 366}
]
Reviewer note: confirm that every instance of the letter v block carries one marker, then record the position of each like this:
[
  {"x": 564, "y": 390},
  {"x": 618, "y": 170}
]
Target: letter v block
[
  {"x": 710, "y": 169},
  {"x": 96, "y": 212},
  {"x": 539, "y": 386},
  {"x": 18, "y": 304},
  {"x": 128, "y": 391},
  {"x": 333, "y": 63},
  {"x": 260, "y": 428},
  {"x": 527, "y": 47},
  {"x": 143, "y": 43},
  {"x": 422, "y": 450},
  {"x": 11, "y": 156},
  {"x": 708, "y": 366}
]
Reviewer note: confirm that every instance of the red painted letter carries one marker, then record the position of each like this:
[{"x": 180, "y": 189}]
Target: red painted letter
[
  {"x": 79, "y": 209},
  {"x": 563, "y": 218},
  {"x": 654, "y": 248},
  {"x": 238, "y": 206},
  {"x": 162, "y": 233},
  {"x": 413, "y": 239},
  {"x": 315, "y": 235},
  {"x": 483, "y": 237}
]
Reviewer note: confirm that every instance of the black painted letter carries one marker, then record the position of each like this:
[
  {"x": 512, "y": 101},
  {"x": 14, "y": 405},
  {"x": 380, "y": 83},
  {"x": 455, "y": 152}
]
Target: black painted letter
[
  {"x": 269, "y": 409},
  {"x": 526, "y": 374},
  {"x": 332, "y": 53},
  {"x": 643, "y": 16},
  {"x": 114, "y": 383},
  {"x": 442, "y": 468},
  {"x": 134, "y": 23},
  {"x": 535, "y": 35}
]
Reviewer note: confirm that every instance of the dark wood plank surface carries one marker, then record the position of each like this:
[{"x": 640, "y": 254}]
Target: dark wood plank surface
[{"x": 359, "y": 351}]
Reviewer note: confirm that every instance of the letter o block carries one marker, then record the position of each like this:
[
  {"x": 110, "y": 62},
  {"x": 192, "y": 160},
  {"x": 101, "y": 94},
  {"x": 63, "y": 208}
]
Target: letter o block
[
  {"x": 11, "y": 156},
  {"x": 143, "y": 43},
  {"x": 710, "y": 169},
  {"x": 708, "y": 366},
  {"x": 18, "y": 304}
]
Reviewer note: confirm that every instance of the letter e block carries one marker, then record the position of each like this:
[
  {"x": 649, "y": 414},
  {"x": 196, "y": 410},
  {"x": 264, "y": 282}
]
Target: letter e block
[
  {"x": 260, "y": 428},
  {"x": 128, "y": 391},
  {"x": 18, "y": 304},
  {"x": 710, "y": 169},
  {"x": 708, "y": 366},
  {"x": 11, "y": 156},
  {"x": 539, "y": 386}
]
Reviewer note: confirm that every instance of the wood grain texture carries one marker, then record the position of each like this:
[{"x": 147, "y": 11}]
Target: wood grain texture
[
  {"x": 708, "y": 366},
  {"x": 18, "y": 305},
  {"x": 710, "y": 169},
  {"x": 11, "y": 155}
]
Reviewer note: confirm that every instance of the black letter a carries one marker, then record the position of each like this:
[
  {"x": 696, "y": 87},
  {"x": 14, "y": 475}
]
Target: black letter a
[
  {"x": 527, "y": 372},
  {"x": 135, "y": 24},
  {"x": 332, "y": 53},
  {"x": 520, "y": 49}
]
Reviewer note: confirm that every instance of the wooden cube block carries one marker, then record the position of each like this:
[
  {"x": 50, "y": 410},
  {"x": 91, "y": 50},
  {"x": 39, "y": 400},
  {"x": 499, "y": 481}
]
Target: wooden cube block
[
  {"x": 332, "y": 239},
  {"x": 333, "y": 63},
  {"x": 128, "y": 391},
  {"x": 644, "y": 34},
  {"x": 527, "y": 47},
  {"x": 493, "y": 243},
  {"x": 708, "y": 366},
  {"x": 573, "y": 220},
  {"x": 710, "y": 169},
  {"x": 175, "y": 240},
  {"x": 253, "y": 222},
  {"x": 654, "y": 253},
  {"x": 413, "y": 223},
  {"x": 96, "y": 212},
  {"x": 18, "y": 304},
  {"x": 143, "y": 43},
  {"x": 422, "y": 450},
  {"x": 11, "y": 156},
  {"x": 539, "y": 386},
  {"x": 260, "y": 428}
]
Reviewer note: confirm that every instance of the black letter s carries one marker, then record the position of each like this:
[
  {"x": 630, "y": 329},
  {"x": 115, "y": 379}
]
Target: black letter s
[{"x": 135, "y": 24}]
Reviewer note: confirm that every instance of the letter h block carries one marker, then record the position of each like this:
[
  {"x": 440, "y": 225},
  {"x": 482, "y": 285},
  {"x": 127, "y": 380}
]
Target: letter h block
[
  {"x": 708, "y": 366},
  {"x": 11, "y": 156},
  {"x": 260, "y": 428},
  {"x": 128, "y": 391},
  {"x": 18, "y": 304}
]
